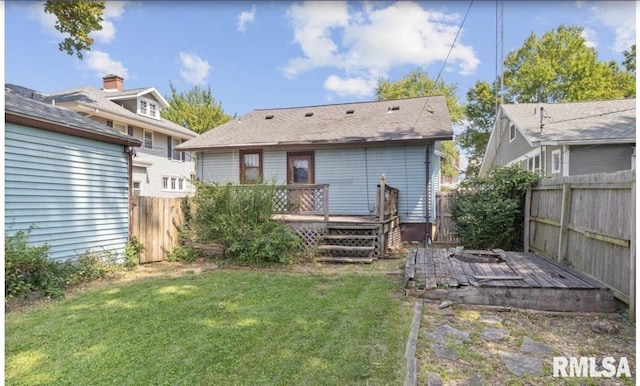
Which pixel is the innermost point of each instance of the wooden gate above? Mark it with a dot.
(155, 224)
(444, 224)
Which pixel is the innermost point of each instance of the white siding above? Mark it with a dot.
(275, 166)
(219, 167)
(72, 191)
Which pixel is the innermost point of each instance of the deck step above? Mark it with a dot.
(328, 259)
(349, 237)
(354, 227)
(345, 248)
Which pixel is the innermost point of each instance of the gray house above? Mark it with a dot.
(67, 177)
(563, 139)
(346, 147)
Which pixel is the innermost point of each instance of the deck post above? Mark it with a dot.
(381, 198)
(325, 202)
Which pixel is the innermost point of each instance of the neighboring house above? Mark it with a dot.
(563, 139)
(158, 169)
(347, 146)
(67, 177)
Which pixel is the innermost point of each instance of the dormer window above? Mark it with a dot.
(143, 107)
(148, 107)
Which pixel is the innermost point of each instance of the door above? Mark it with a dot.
(300, 172)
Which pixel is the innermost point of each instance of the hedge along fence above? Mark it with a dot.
(588, 222)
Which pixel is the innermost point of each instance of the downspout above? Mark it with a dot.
(427, 236)
(129, 151)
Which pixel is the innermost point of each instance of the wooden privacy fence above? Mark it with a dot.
(588, 222)
(444, 221)
(155, 223)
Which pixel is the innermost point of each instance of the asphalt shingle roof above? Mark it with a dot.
(414, 119)
(575, 121)
(30, 103)
(96, 97)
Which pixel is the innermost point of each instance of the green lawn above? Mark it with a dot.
(219, 328)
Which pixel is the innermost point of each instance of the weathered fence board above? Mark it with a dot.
(444, 222)
(155, 223)
(588, 222)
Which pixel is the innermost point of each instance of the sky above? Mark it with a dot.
(256, 55)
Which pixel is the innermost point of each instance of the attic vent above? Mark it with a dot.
(269, 117)
(393, 108)
(308, 114)
(350, 111)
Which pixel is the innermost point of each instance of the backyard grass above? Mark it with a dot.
(217, 328)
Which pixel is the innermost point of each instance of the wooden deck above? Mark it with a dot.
(511, 279)
(296, 217)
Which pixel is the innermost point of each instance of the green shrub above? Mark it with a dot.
(29, 269)
(239, 219)
(183, 253)
(488, 212)
(132, 252)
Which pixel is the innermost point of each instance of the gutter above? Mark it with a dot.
(67, 129)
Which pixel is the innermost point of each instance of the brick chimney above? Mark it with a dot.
(113, 83)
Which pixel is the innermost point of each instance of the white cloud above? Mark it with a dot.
(194, 69)
(621, 17)
(245, 18)
(370, 42)
(349, 86)
(103, 65)
(589, 36)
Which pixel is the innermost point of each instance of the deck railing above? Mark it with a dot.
(386, 200)
(304, 199)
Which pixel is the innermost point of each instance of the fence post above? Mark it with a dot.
(527, 219)
(632, 256)
(564, 221)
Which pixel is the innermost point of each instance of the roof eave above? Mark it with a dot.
(323, 143)
(27, 120)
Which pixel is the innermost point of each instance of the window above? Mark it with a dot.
(174, 184)
(137, 189)
(153, 110)
(121, 127)
(556, 161)
(148, 139)
(300, 168)
(143, 107)
(175, 155)
(512, 133)
(250, 166)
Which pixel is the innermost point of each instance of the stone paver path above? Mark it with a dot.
(528, 361)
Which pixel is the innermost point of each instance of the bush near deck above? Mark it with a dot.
(488, 212)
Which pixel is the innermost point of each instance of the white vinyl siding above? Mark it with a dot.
(73, 191)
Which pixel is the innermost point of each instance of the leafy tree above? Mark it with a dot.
(418, 84)
(629, 62)
(195, 109)
(482, 102)
(559, 67)
(78, 19)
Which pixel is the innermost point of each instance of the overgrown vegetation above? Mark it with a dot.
(488, 212)
(238, 218)
(28, 269)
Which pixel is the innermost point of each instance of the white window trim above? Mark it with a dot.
(565, 161)
(557, 153)
(149, 102)
(172, 183)
(512, 127)
(174, 152)
(144, 141)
